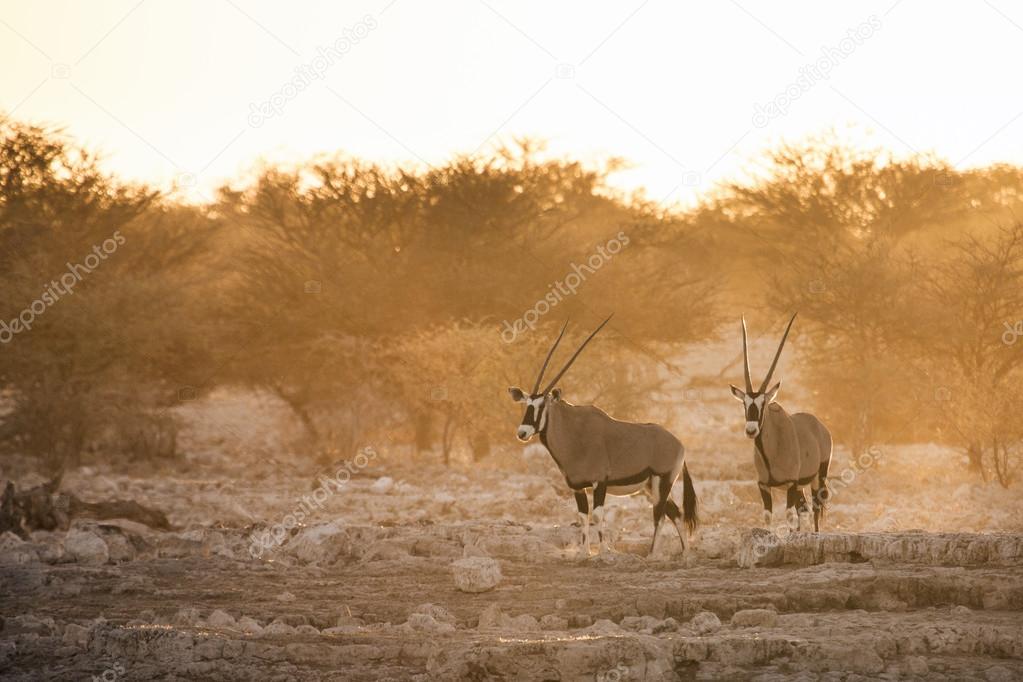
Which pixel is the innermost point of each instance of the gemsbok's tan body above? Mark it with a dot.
(789, 451)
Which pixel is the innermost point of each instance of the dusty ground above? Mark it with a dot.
(920, 581)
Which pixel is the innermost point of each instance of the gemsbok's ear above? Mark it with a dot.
(739, 395)
(773, 393)
(516, 393)
(556, 394)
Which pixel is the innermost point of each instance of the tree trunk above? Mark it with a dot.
(298, 408)
(1001, 458)
(480, 444)
(448, 438)
(422, 423)
(975, 457)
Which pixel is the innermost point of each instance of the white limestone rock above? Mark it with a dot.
(438, 613)
(221, 619)
(476, 574)
(250, 626)
(705, 622)
(86, 547)
(749, 618)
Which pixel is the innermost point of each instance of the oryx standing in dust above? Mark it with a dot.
(592, 450)
(789, 451)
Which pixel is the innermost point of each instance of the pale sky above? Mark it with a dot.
(166, 89)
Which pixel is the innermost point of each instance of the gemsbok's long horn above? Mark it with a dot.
(777, 355)
(550, 354)
(745, 358)
(572, 359)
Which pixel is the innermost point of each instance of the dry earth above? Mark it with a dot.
(921, 581)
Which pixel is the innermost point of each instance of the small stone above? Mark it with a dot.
(999, 673)
(605, 627)
(424, 622)
(438, 613)
(220, 619)
(705, 622)
(759, 547)
(749, 618)
(476, 574)
(643, 624)
(666, 625)
(14, 550)
(187, 617)
(525, 622)
(250, 626)
(382, 485)
(86, 547)
(341, 630)
(917, 666)
(278, 628)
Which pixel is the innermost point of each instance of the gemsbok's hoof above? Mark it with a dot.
(792, 518)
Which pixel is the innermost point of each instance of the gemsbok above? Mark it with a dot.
(593, 450)
(789, 451)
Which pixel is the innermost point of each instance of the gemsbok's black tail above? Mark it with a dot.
(688, 501)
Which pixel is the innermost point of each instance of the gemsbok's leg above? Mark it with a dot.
(792, 495)
(817, 495)
(802, 509)
(765, 496)
(675, 514)
(662, 487)
(820, 494)
(583, 505)
(599, 492)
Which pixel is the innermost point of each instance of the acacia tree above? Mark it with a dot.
(827, 232)
(341, 263)
(968, 337)
(95, 331)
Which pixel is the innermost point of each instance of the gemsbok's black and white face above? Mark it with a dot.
(755, 402)
(534, 418)
(754, 407)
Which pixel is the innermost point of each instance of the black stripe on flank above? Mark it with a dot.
(628, 480)
(777, 484)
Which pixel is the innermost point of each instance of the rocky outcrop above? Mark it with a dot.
(762, 547)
